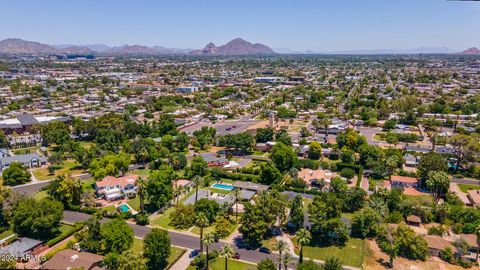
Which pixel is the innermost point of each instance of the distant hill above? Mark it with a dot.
(20, 46)
(471, 51)
(237, 46)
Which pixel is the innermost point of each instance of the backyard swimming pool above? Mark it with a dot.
(123, 208)
(223, 186)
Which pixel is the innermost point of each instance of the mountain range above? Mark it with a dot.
(236, 46)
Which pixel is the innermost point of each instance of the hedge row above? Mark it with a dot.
(63, 235)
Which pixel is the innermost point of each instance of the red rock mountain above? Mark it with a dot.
(471, 51)
(237, 46)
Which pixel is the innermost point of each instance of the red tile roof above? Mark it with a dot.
(121, 181)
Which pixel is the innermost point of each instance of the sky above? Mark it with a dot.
(318, 25)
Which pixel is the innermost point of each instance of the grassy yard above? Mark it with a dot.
(23, 151)
(270, 243)
(67, 167)
(164, 219)
(141, 172)
(467, 187)
(110, 208)
(211, 229)
(40, 195)
(352, 254)
(219, 264)
(135, 203)
(176, 253)
(6, 234)
(218, 190)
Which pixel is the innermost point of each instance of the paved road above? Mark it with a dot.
(177, 239)
(466, 181)
(29, 189)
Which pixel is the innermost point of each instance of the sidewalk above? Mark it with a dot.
(183, 262)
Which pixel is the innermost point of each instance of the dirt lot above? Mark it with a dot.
(375, 257)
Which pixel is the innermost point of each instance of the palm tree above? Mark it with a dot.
(303, 238)
(202, 222)
(226, 252)
(207, 241)
(236, 193)
(141, 193)
(280, 246)
(477, 232)
(287, 259)
(197, 182)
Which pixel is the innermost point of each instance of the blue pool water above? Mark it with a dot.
(123, 208)
(223, 186)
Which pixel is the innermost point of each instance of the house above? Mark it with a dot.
(411, 160)
(243, 185)
(187, 89)
(214, 161)
(436, 244)
(474, 196)
(312, 177)
(72, 259)
(113, 188)
(414, 220)
(403, 181)
(21, 249)
(28, 161)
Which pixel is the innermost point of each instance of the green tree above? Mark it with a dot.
(388, 243)
(159, 186)
(315, 150)
(303, 238)
(332, 263)
(198, 166)
(15, 174)
(90, 237)
(129, 260)
(3, 140)
(178, 161)
(266, 264)
(283, 157)
(36, 219)
(207, 241)
(55, 132)
(202, 222)
(280, 246)
(157, 248)
(66, 190)
(264, 135)
(366, 223)
(269, 174)
(438, 183)
(431, 162)
(116, 235)
(208, 207)
(226, 252)
(197, 182)
(296, 212)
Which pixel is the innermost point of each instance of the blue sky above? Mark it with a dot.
(321, 25)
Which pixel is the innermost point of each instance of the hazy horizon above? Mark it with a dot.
(303, 25)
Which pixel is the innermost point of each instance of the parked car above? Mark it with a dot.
(194, 253)
(265, 250)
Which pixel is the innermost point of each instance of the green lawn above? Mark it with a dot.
(137, 245)
(211, 229)
(467, 187)
(23, 151)
(164, 219)
(110, 208)
(141, 172)
(6, 234)
(218, 190)
(40, 195)
(67, 167)
(352, 254)
(269, 243)
(135, 203)
(219, 264)
(65, 228)
(88, 184)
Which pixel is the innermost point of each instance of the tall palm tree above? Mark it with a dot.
(141, 193)
(287, 259)
(280, 246)
(197, 182)
(202, 222)
(303, 238)
(477, 232)
(207, 241)
(236, 193)
(226, 252)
